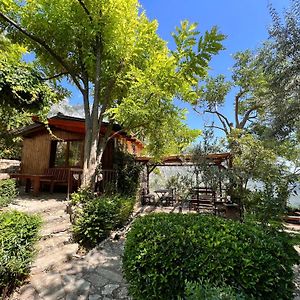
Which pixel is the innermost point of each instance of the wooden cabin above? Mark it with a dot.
(63, 147)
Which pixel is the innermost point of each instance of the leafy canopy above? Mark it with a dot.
(23, 93)
(124, 70)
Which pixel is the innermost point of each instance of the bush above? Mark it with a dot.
(8, 191)
(19, 232)
(128, 173)
(267, 206)
(206, 291)
(99, 216)
(162, 251)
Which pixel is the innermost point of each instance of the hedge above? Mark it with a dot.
(99, 216)
(19, 232)
(162, 251)
(207, 291)
(8, 191)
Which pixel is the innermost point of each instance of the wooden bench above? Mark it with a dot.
(202, 200)
(60, 176)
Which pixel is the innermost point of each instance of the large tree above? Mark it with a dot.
(257, 155)
(248, 84)
(111, 52)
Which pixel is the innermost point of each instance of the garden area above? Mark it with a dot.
(142, 168)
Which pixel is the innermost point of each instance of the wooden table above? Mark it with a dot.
(163, 194)
(33, 181)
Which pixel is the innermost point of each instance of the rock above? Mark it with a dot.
(95, 297)
(109, 288)
(96, 280)
(110, 275)
(122, 293)
(4, 176)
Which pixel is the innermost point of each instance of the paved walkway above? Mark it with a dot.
(58, 271)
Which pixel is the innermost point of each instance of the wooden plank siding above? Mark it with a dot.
(37, 143)
(35, 154)
(36, 150)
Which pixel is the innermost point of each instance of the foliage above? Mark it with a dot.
(23, 92)
(181, 183)
(164, 250)
(125, 72)
(207, 172)
(267, 205)
(280, 57)
(8, 191)
(252, 159)
(19, 232)
(206, 291)
(100, 215)
(128, 173)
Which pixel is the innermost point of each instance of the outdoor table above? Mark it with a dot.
(32, 180)
(161, 194)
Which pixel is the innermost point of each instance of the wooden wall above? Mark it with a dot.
(108, 156)
(36, 150)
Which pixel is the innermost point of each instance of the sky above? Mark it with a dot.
(244, 22)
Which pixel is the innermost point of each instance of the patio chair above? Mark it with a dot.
(169, 199)
(147, 199)
(202, 200)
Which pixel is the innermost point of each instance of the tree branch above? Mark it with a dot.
(108, 91)
(46, 47)
(86, 10)
(85, 80)
(217, 127)
(54, 76)
(222, 119)
(124, 130)
(236, 110)
(95, 108)
(247, 117)
(220, 115)
(236, 107)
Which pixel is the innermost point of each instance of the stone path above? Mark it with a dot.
(59, 272)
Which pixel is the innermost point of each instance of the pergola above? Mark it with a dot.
(217, 159)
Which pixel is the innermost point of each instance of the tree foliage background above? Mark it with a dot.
(23, 93)
(125, 72)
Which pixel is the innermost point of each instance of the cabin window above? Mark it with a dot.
(66, 154)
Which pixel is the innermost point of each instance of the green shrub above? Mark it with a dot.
(99, 216)
(267, 206)
(128, 173)
(19, 232)
(162, 251)
(8, 191)
(206, 291)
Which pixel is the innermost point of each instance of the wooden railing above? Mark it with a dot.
(108, 180)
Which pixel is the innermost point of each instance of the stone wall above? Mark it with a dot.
(8, 166)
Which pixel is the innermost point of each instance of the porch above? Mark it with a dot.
(63, 179)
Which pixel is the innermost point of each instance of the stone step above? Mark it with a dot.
(53, 242)
(51, 218)
(50, 229)
(54, 259)
(37, 208)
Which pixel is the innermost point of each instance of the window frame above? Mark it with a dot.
(53, 152)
